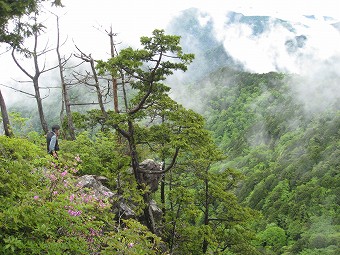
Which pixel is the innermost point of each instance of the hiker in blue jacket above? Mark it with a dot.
(52, 141)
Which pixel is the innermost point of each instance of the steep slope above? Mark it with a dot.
(290, 159)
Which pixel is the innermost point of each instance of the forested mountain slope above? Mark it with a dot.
(290, 159)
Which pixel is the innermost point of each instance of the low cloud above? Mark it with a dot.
(315, 58)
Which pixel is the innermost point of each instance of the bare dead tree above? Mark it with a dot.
(35, 54)
(5, 119)
(65, 95)
(114, 80)
(19, 90)
(112, 77)
(88, 77)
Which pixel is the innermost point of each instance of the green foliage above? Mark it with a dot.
(99, 154)
(13, 10)
(128, 240)
(158, 46)
(203, 209)
(102, 155)
(18, 123)
(288, 158)
(273, 238)
(21, 156)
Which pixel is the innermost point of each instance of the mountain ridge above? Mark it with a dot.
(251, 43)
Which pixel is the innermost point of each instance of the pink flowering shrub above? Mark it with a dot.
(43, 211)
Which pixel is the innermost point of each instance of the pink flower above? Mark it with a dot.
(74, 213)
(130, 245)
(64, 173)
(55, 192)
(52, 177)
(93, 232)
(72, 197)
(74, 170)
(87, 198)
(90, 239)
(77, 158)
(36, 197)
(101, 204)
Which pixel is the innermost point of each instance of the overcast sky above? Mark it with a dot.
(133, 18)
(81, 22)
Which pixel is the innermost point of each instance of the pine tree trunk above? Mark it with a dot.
(134, 154)
(163, 195)
(147, 217)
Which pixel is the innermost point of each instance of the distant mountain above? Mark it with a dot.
(259, 24)
(336, 25)
(198, 36)
(332, 21)
(259, 44)
(200, 40)
(292, 45)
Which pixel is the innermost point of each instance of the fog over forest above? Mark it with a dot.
(315, 61)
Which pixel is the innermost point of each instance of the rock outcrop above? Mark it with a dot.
(100, 192)
(120, 206)
(151, 179)
(95, 183)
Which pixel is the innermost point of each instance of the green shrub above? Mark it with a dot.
(42, 210)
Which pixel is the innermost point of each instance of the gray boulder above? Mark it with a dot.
(94, 184)
(151, 179)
